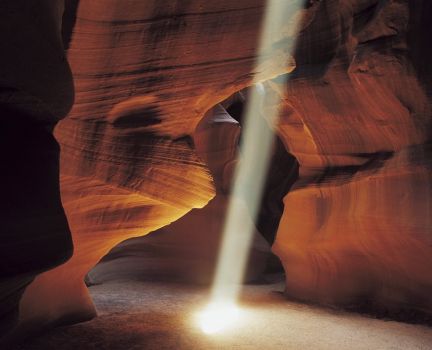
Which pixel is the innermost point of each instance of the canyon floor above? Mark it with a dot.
(144, 315)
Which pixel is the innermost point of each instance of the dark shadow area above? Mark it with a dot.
(69, 20)
(29, 155)
(281, 175)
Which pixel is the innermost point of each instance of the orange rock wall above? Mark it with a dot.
(355, 113)
(144, 74)
(357, 225)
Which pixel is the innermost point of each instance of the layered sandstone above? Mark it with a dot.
(144, 74)
(356, 114)
(357, 225)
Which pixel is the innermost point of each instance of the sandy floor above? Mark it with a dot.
(136, 315)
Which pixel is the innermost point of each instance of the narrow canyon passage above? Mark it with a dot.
(124, 145)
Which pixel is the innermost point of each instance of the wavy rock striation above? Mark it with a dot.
(356, 114)
(357, 225)
(144, 74)
(187, 250)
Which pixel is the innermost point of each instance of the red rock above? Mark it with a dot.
(356, 115)
(356, 226)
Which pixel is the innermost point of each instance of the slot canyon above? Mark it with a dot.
(123, 126)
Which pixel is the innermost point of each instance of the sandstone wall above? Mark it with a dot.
(144, 73)
(357, 225)
(355, 114)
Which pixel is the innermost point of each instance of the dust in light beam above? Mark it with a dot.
(281, 20)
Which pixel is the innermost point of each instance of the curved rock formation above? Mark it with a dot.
(35, 92)
(356, 114)
(144, 73)
(187, 250)
(357, 225)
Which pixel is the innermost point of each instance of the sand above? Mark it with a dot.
(142, 315)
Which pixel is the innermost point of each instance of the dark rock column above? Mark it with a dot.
(36, 91)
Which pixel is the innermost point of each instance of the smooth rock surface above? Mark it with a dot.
(356, 114)
(144, 74)
(357, 225)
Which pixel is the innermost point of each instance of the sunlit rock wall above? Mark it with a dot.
(356, 114)
(145, 73)
(187, 250)
(357, 225)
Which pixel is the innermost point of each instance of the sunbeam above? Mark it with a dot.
(251, 173)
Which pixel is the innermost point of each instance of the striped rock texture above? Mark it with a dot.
(356, 114)
(356, 227)
(145, 73)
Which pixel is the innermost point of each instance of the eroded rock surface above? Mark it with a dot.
(144, 74)
(356, 114)
(357, 224)
(188, 249)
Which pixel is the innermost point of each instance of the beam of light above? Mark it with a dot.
(217, 316)
(252, 170)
